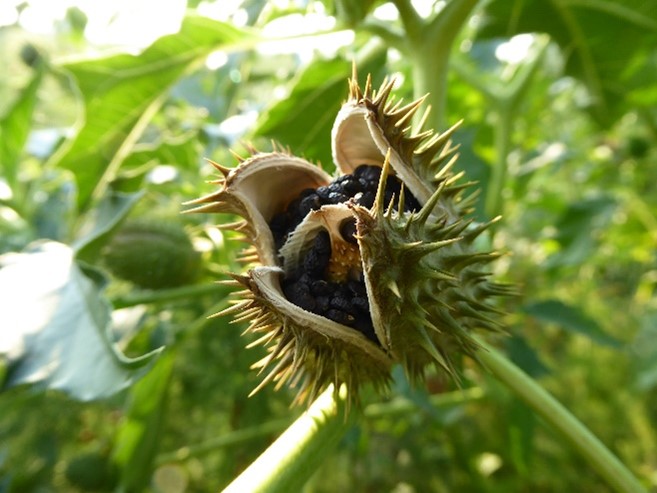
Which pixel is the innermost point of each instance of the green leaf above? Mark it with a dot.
(600, 39)
(523, 355)
(54, 206)
(15, 128)
(55, 330)
(304, 119)
(572, 319)
(101, 221)
(122, 92)
(576, 229)
(183, 153)
(138, 438)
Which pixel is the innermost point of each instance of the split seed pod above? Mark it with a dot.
(355, 273)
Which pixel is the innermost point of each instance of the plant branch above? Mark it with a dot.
(290, 461)
(502, 134)
(165, 295)
(556, 415)
(413, 23)
(388, 35)
(430, 50)
(226, 440)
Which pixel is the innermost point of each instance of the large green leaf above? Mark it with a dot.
(122, 92)
(15, 127)
(602, 41)
(54, 322)
(570, 318)
(304, 119)
(139, 436)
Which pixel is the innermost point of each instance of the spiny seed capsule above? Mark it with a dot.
(354, 273)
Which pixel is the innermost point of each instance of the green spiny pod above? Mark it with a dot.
(153, 254)
(353, 273)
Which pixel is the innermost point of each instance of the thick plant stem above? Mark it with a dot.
(556, 415)
(502, 132)
(430, 43)
(292, 459)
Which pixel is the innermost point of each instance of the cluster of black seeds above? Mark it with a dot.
(360, 186)
(343, 302)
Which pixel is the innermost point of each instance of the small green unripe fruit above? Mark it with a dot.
(153, 254)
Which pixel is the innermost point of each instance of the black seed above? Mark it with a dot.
(323, 193)
(320, 287)
(341, 303)
(351, 187)
(337, 197)
(315, 263)
(322, 242)
(298, 294)
(317, 258)
(340, 317)
(348, 230)
(322, 304)
(368, 173)
(366, 199)
(356, 288)
(309, 203)
(361, 304)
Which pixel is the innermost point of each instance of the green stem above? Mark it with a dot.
(556, 415)
(292, 459)
(385, 32)
(226, 440)
(413, 23)
(502, 132)
(401, 406)
(429, 47)
(165, 295)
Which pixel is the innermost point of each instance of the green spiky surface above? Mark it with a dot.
(428, 288)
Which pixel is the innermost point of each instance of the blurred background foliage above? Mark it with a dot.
(106, 116)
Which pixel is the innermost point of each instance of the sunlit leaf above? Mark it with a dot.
(601, 41)
(15, 127)
(54, 330)
(571, 319)
(303, 120)
(182, 153)
(122, 92)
